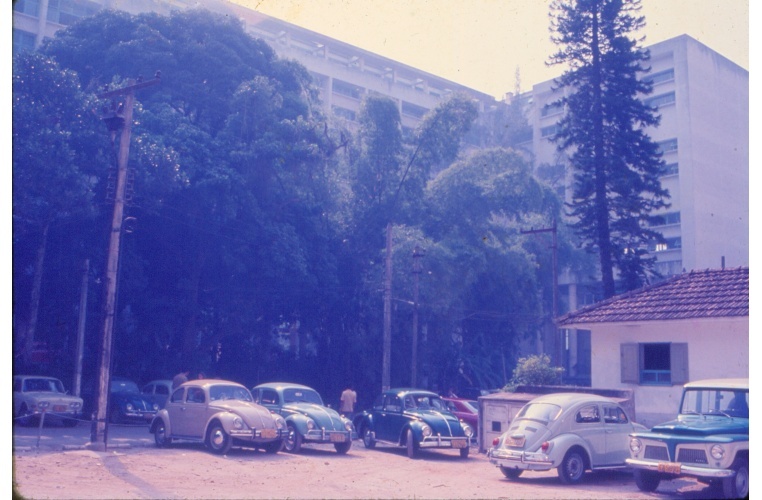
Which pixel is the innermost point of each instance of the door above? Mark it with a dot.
(617, 429)
(191, 414)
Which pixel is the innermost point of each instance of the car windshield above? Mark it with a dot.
(301, 396)
(424, 402)
(544, 412)
(43, 385)
(223, 392)
(124, 386)
(727, 402)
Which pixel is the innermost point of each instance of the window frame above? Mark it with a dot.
(632, 364)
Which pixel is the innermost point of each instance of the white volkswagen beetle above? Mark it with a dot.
(571, 432)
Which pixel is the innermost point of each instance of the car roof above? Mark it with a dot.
(211, 381)
(407, 390)
(34, 376)
(282, 385)
(720, 383)
(570, 398)
(160, 381)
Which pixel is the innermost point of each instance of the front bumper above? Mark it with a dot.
(324, 436)
(258, 435)
(679, 469)
(516, 459)
(444, 442)
(138, 415)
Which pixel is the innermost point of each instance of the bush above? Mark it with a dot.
(535, 370)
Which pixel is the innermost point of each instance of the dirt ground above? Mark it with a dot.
(189, 471)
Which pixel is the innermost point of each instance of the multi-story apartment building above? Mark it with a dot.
(703, 100)
(343, 73)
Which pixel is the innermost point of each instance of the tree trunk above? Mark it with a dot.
(189, 332)
(34, 306)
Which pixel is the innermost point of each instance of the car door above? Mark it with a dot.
(389, 423)
(589, 426)
(270, 399)
(617, 428)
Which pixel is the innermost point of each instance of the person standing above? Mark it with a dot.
(348, 401)
(179, 379)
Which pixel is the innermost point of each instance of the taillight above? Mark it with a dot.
(495, 441)
(544, 447)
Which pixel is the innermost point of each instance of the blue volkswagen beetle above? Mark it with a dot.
(415, 419)
(307, 418)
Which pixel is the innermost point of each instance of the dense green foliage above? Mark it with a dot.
(536, 370)
(256, 242)
(616, 164)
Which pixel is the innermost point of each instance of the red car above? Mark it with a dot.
(466, 410)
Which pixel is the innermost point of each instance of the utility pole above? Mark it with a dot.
(418, 252)
(387, 341)
(81, 328)
(119, 119)
(554, 246)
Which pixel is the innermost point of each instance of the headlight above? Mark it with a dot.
(129, 407)
(426, 430)
(238, 423)
(280, 422)
(467, 430)
(75, 405)
(635, 445)
(310, 425)
(43, 404)
(717, 452)
(156, 407)
(348, 425)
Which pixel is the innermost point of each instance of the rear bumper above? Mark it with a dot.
(324, 436)
(519, 459)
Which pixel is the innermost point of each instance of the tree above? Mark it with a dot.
(536, 370)
(616, 165)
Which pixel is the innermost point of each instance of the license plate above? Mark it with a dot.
(59, 408)
(459, 443)
(670, 468)
(338, 438)
(517, 442)
(269, 433)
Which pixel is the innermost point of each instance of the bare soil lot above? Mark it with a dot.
(190, 471)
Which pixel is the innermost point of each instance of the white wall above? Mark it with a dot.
(717, 348)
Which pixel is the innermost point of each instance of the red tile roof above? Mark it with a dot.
(713, 293)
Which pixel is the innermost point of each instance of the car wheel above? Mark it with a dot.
(412, 446)
(342, 448)
(572, 467)
(646, 480)
(367, 438)
(218, 440)
(293, 440)
(737, 486)
(274, 447)
(464, 452)
(511, 474)
(160, 435)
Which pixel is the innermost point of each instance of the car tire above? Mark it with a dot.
(738, 485)
(511, 474)
(572, 467)
(646, 480)
(274, 447)
(367, 438)
(160, 435)
(293, 441)
(412, 446)
(464, 452)
(218, 440)
(342, 448)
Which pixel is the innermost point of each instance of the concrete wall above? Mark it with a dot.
(717, 348)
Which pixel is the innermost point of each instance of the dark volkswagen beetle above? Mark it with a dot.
(415, 419)
(128, 405)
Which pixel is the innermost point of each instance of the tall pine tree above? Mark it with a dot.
(616, 164)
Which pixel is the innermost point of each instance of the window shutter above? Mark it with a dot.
(628, 361)
(678, 354)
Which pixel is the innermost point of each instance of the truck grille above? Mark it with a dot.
(656, 453)
(692, 456)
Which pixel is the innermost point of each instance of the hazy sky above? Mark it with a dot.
(481, 43)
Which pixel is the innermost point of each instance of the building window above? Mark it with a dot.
(670, 169)
(413, 110)
(549, 131)
(660, 77)
(669, 267)
(668, 146)
(68, 12)
(552, 108)
(665, 219)
(28, 7)
(657, 363)
(22, 41)
(345, 113)
(660, 100)
(347, 89)
(668, 244)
